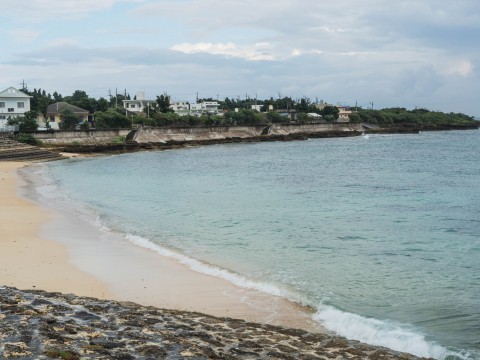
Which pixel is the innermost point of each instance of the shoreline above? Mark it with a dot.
(28, 260)
(105, 265)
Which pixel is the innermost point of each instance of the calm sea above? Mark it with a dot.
(381, 234)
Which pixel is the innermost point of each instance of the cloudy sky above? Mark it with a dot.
(410, 53)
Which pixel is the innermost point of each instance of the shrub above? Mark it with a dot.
(27, 139)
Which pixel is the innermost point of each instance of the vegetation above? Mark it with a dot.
(69, 120)
(118, 140)
(26, 122)
(111, 114)
(401, 115)
(112, 118)
(27, 139)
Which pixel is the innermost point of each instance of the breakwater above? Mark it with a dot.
(36, 324)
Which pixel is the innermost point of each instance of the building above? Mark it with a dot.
(13, 103)
(197, 109)
(205, 107)
(343, 114)
(256, 107)
(55, 115)
(139, 104)
(180, 108)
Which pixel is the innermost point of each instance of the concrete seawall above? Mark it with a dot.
(89, 141)
(164, 135)
(79, 136)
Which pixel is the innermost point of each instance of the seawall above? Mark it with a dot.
(89, 141)
(186, 134)
(91, 136)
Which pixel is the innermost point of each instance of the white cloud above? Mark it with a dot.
(259, 51)
(462, 68)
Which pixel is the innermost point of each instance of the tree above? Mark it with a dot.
(275, 117)
(330, 111)
(163, 102)
(69, 120)
(111, 119)
(25, 123)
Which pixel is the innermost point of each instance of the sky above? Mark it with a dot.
(374, 53)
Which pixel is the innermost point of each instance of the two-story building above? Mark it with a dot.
(205, 107)
(343, 114)
(13, 103)
(139, 104)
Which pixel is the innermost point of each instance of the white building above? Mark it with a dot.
(256, 107)
(13, 103)
(139, 104)
(197, 109)
(181, 108)
(205, 107)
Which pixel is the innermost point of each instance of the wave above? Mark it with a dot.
(212, 270)
(384, 333)
(352, 326)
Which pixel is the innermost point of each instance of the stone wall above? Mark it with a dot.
(79, 136)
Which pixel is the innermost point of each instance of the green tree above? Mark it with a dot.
(69, 120)
(111, 119)
(163, 103)
(275, 117)
(329, 111)
(25, 123)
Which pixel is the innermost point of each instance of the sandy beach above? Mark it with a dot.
(44, 248)
(28, 261)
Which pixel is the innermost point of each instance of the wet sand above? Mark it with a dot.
(45, 248)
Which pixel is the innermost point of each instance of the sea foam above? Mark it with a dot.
(376, 332)
(208, 269)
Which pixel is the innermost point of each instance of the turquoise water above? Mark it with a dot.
(381, 234)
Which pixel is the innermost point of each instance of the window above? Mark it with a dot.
(52, 118)
(20, 105)
(2, 104)
(2, 117)
(11, 109)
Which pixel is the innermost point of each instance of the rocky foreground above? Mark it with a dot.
(42, 325)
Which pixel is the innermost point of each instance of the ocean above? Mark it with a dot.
(380, 234)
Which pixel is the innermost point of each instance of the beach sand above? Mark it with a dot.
(28, 261)
(44, 248)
